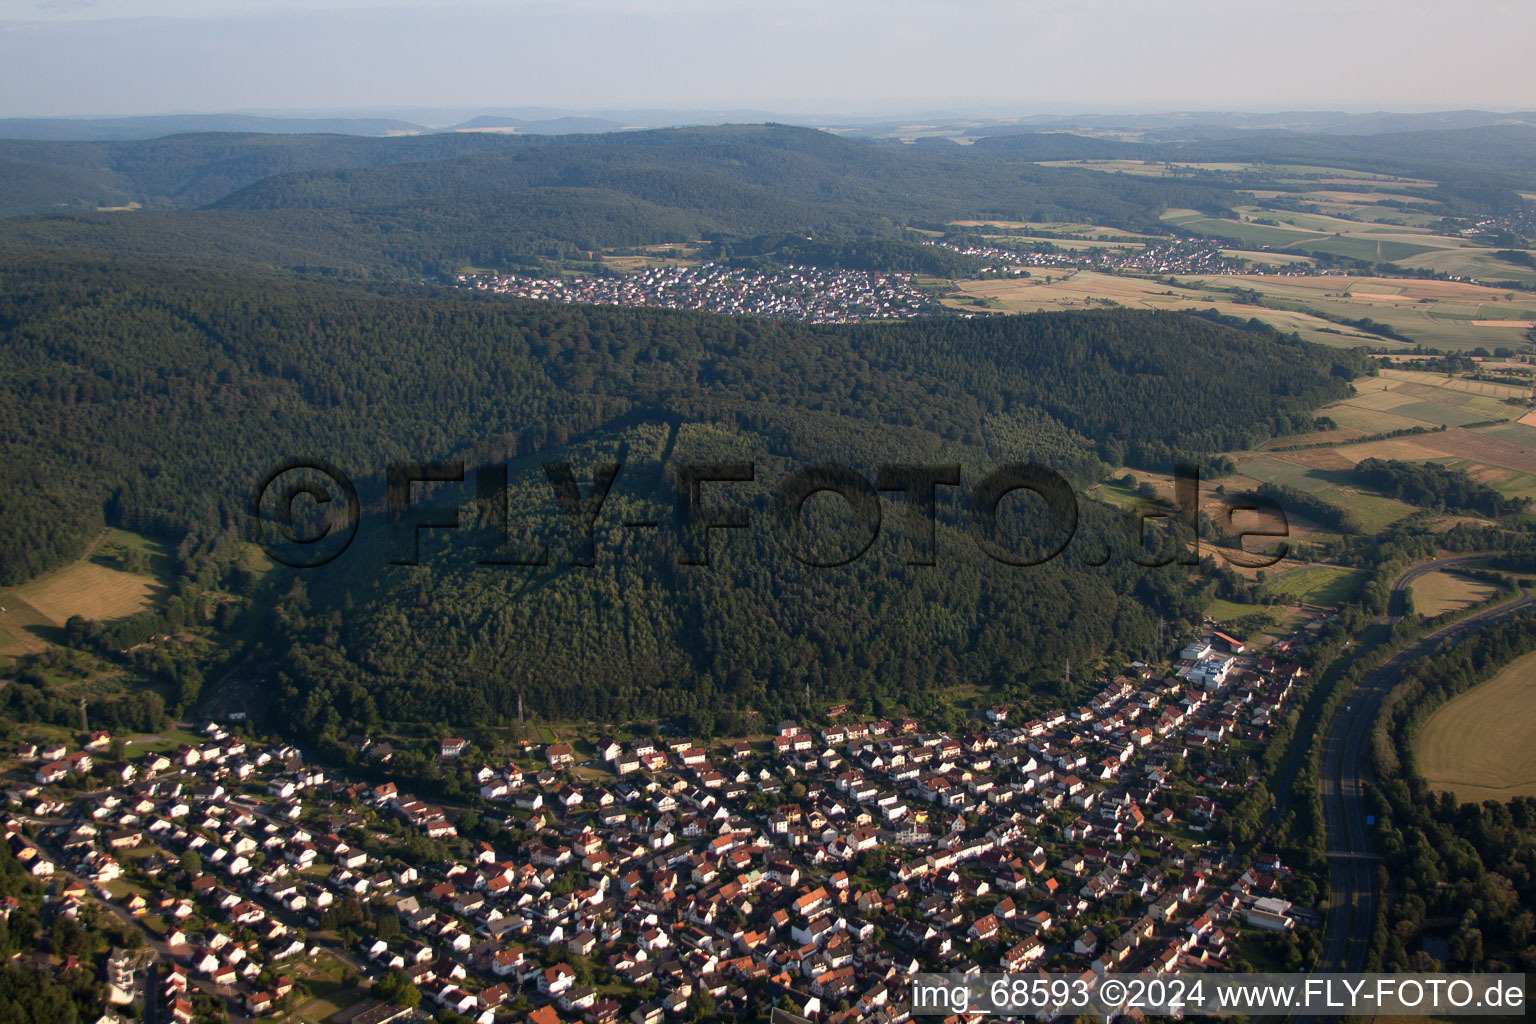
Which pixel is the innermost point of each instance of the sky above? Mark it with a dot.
(831, 57)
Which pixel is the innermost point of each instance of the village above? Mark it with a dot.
(817, 870)
(811, 294)
(1180, 256)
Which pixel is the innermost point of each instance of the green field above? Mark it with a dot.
(1272, 470)
(1326, 585)
(1515, 433)
(1436, 412)
(1267, 620)
(1373, 511)
(1357, 248)
(1250, 234)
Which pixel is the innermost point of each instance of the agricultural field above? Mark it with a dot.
(647, 257)
(1500, 452)
(1403, 399)
(1323, 585)
(1197, 223)
(1481, 745)
(1262, 624)
(1280, 174)
(1086, 289)
(1046, 229)
(1449, 315)
(92, 591)
(22, 627)
(1342, 213)
(1357, 226)
(96, 587)
(1481, 435)
(1438, 592)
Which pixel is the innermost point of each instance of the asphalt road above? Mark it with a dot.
(1351, 913)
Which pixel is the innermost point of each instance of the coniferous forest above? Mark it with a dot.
(153, 397)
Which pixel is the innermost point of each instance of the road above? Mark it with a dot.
(1352, 865)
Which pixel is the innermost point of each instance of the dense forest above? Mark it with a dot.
(154, 398)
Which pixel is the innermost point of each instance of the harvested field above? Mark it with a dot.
(1481, 745)
(1438, 592)
(1469, 444)
(91, 590)
(18, 620)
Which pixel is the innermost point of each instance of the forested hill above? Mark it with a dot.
(155, 397)
(738, 173)
(433, 204)
(1496, 155)
(161, 392)
(192, 169)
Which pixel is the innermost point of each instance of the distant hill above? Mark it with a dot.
(87, 129)
(432, 204)
(550, 126)
(194, 169)
(1496, 155)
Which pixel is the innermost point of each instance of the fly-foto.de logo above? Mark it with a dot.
(307, 512)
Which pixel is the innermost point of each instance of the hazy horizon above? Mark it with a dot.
(91, 58)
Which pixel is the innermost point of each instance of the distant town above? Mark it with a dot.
(1182, 256)
(810, 294)
(818, 869)
(828, 296)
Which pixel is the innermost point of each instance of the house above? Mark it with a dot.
(557, 979)
(1087, 944)
(53, 771)
(1025, 953)
(452, 747)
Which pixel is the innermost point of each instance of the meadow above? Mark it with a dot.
(94, 587)
(1436, 593)
(1481, 745)
(1326, 586)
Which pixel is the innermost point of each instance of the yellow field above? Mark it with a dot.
(1272, 259)
(1446, 314)
(90, 590)
(18, 622)
(1023, 236)
(1292, 173)
(1086, 289)
(1055, 227)
(1438, 592)
(1482, 745)
(1387, 288)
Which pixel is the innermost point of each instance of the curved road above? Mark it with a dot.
(1352, 867)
